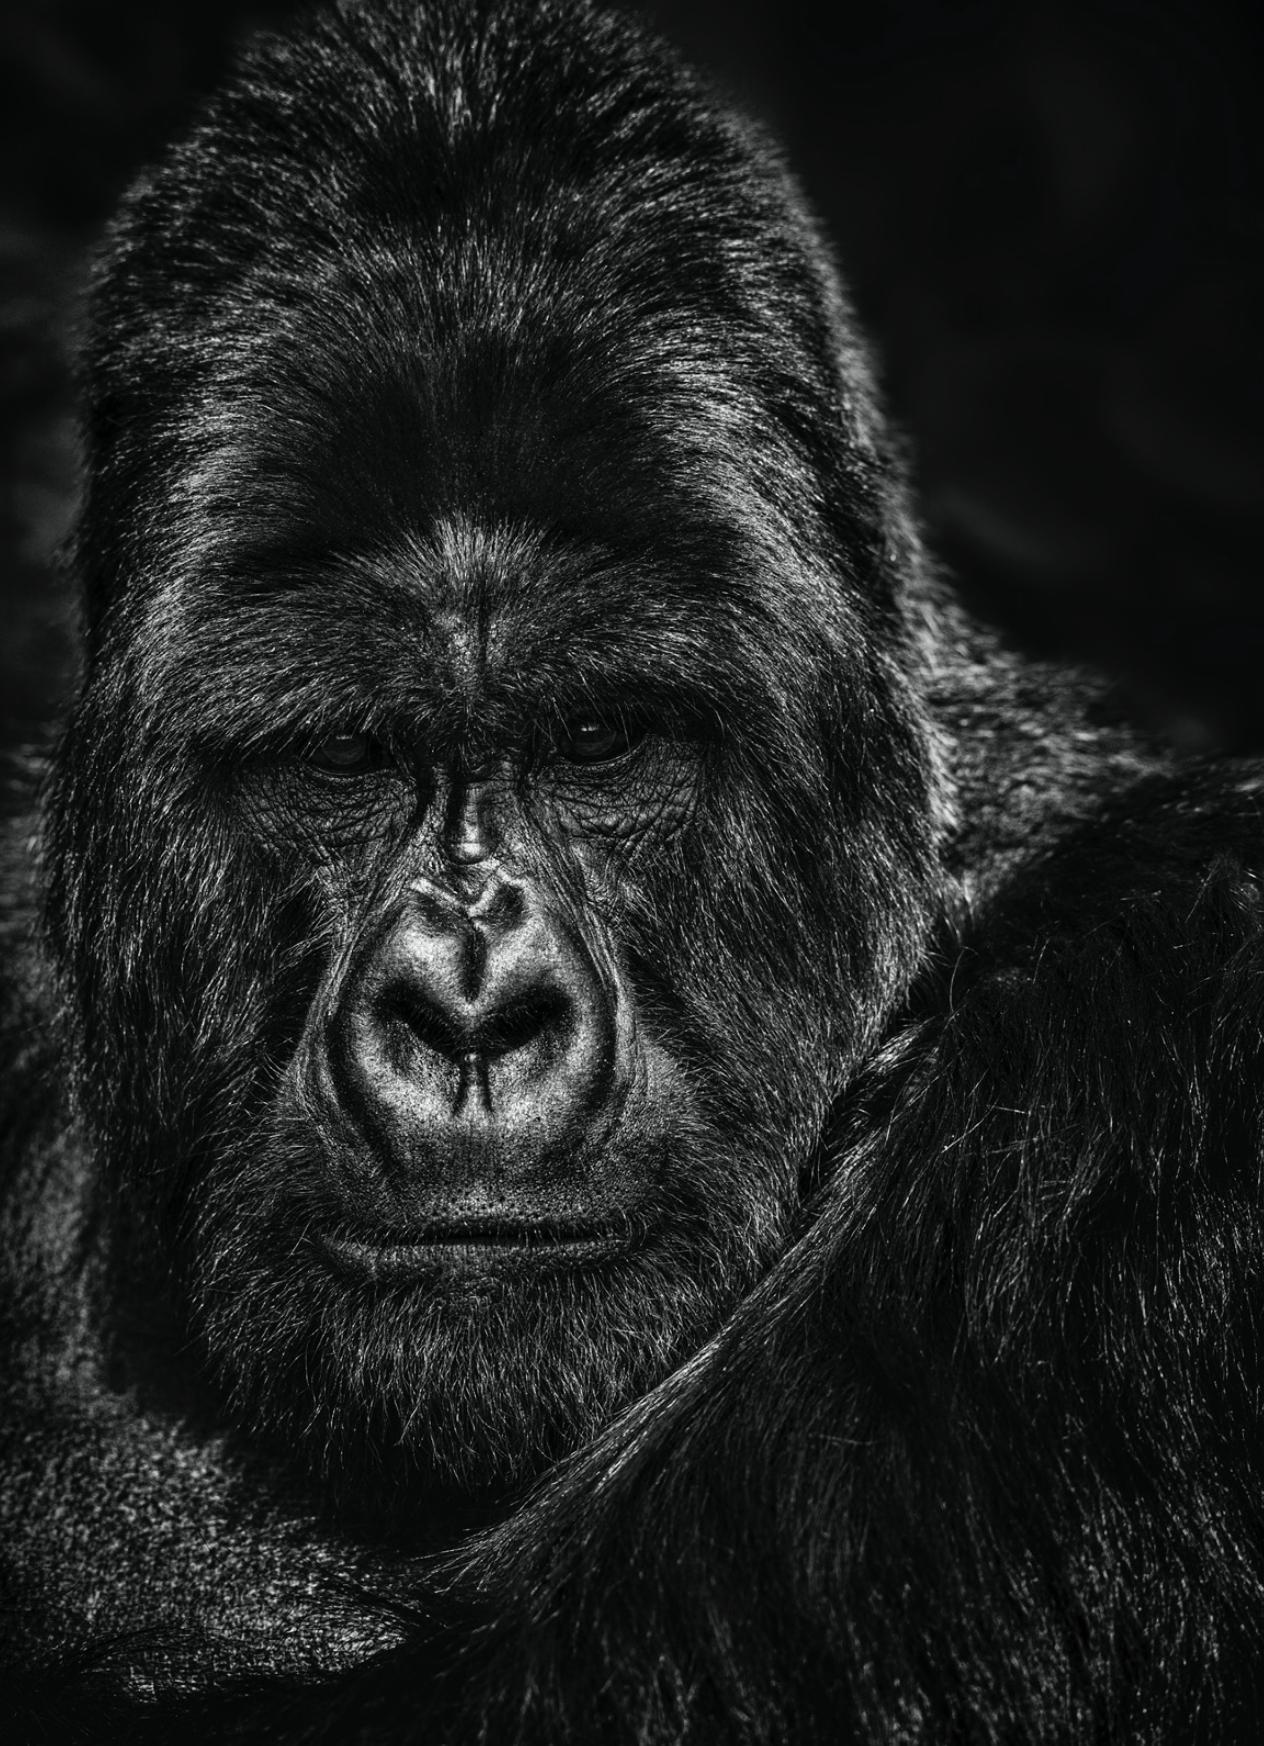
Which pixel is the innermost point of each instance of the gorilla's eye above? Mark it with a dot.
(346, 754)
(590, 739)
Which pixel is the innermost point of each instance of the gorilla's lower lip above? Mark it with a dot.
(472, 1245)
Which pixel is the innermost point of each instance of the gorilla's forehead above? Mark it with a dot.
(452, 519)
(389, 389)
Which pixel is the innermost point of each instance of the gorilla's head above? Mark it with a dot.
(500, 809)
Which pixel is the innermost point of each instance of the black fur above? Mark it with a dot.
(466, 368)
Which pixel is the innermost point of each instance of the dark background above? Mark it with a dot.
(1051, 220)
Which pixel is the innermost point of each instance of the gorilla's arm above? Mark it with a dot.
(980, 1459)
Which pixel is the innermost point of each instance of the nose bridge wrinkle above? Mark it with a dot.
(471, 830)
(488, 900)
(499, 904)
(440, 909)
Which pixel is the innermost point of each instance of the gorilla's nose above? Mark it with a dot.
(480, 983)
(475, 1036)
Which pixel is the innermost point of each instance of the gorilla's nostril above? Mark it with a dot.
(546, 1013)
(425, 1021)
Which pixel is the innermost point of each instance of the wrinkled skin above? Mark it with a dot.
(567, 958)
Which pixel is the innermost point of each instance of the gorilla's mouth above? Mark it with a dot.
(473, 1245)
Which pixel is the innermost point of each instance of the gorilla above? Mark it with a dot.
(620, 1124)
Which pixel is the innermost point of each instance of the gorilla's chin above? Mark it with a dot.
(471, 1370)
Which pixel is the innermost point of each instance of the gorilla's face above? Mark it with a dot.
(499, 811)
(549, 959)
(537, 1115)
